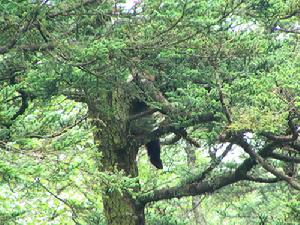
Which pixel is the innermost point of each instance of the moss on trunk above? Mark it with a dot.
(118, 152)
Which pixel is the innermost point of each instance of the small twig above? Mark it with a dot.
(212, 166)
(64, 130)
(74, 214)
(226, 109)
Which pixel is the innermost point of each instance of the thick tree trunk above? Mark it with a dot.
(118, 153)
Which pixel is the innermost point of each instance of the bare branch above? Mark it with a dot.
(64, 130)
(241, 142)
(285, 158)
(207, 186)
(286, 30)
(166, 128)
(294, 13)
(262, 180)
(142, 114)
(74, 214)
(226, 109)
(212, 166)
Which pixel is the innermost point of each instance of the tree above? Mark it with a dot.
(219, 73)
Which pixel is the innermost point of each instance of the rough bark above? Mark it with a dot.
(208, 186)
(118, 153)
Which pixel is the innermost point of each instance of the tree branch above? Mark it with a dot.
(248, 149)
(284, 158)
(211, 167)
(225, 107)
(166, 128)
(142, 114)
(24, 104)
(262, 180)
(36, 47)
(208, 186)
(74, 214)
(189, 189)
(64, 130)
(295, 146)
(23, 29)
(286, 30)
(294, 13)
(284, 138)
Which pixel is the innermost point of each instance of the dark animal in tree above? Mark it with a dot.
(141, 127)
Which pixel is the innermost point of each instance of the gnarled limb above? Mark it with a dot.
(208, 186)
(258, 158)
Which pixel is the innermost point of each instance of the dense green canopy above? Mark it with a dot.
(220, 77)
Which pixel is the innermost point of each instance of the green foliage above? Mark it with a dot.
(226, 57)
(165, 220)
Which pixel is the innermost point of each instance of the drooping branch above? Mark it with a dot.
(24, 104)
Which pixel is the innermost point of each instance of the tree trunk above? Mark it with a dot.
(119, 152)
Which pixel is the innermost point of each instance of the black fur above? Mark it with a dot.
(153, 149)
(138, 107)
(143, 126)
